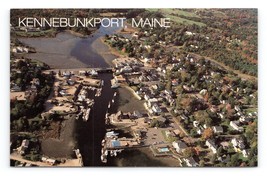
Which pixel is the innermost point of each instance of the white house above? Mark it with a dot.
(190, 162)
(151, 102)
(237, 108)
(156, 109)
(210, 143)
(221, 115)
(235, 126)
(179, 146)
(238, 144)
(245, 153)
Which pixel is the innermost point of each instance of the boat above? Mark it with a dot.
(94, 73)
(86, 116)
(77, 152)
(112, 100)
(115, 93)
(109, 105)
(102, 83)
(103, 158)
(114, 86)
(103, 142)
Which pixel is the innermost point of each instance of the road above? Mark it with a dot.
(17, 157)
(239, 73)
(67, 163)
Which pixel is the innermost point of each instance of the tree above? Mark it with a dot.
(207, 133)
(219, 151)
(234, 161)
(213, 158)
(188, 152)
(201, 163)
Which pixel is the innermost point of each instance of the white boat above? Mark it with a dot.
(114, 86)
(109, 105)
(111, 153)
(86, 116)
(102, 83)
(103, 159)
(115, 93)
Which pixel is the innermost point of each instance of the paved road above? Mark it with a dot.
(17, 157)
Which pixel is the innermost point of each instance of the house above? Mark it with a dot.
(120, 79)
(147, 96)
(217, 129)
(195, 123)
(203, 92)
(66, 74)
(245, 153)
(175, 82)
(156, 109)
(244, 119)
(126, 69)
(161, 119)
(238, 144)
(48, 160)
(15, 88)
(151, 102)
(35, 81)
(237, 108)
(235, 126)
(137, 114)
(188, 89)
(24, 146)
(199, 130)
(210, 143)
(213, 109)
(221, 115)
(179, 146)
(190, 162)
(176, 132)
(168, 92)
(184, 117)
(169, 134)
(138, 134)
(225, 145)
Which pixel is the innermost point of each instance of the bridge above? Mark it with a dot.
(98, 69)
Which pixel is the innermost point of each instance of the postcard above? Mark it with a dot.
(134, 87)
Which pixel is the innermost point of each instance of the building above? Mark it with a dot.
(235, 126)
(24, 146)
(238, 144)
(210, 143)
(217, 129)
(191, 162)
(179, 146)
(156, 109)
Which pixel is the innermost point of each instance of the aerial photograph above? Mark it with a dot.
(134, 87)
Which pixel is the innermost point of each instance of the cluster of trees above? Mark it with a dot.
(21, 110)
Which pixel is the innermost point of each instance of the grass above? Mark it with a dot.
(171, 13)
(248, 110)
(169, 139)
(48, 32)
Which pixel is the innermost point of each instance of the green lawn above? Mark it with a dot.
(170, 13)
